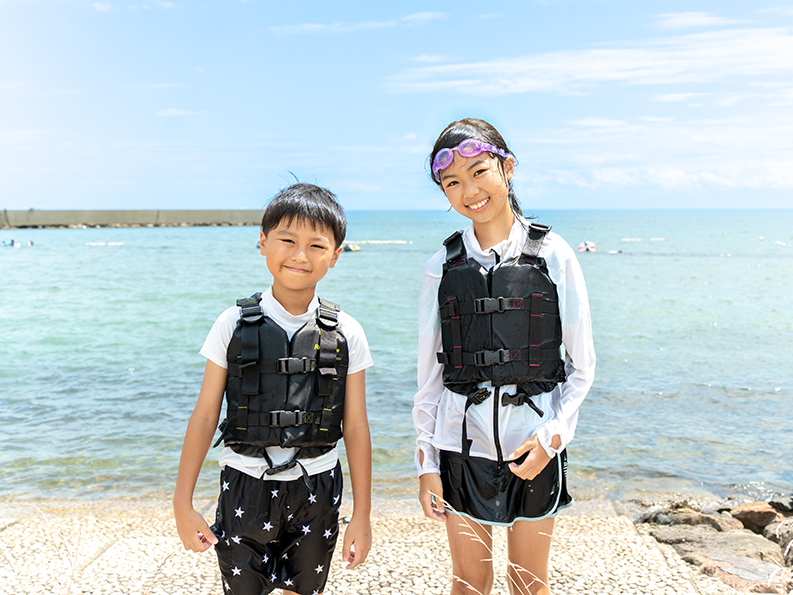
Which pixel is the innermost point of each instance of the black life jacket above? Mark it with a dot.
(500, 325)
(281, 392)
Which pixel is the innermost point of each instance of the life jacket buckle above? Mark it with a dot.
(285, 419)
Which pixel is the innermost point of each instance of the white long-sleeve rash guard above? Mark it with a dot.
(438, 412)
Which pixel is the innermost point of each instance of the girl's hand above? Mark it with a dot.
(534, 462)
(429, 484)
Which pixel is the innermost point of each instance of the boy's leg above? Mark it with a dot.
(529, 546)
(471, 546)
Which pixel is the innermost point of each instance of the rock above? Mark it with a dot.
(784, 504)
(718, 522)
(745, 574)
(696, 544)
(782, 533)
(755, 515)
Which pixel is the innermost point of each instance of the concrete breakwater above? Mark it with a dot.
(36, 219)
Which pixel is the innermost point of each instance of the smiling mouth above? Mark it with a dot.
(296, 270)
(478, 206)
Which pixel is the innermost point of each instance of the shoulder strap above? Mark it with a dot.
(455, 250)
(250, 317)
(328, 322)
(531, 249)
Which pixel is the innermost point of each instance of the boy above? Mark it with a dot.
(292, 369)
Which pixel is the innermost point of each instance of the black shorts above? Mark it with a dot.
(276, 534)
(491, 494)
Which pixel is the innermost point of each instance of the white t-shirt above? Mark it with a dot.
(438, 412)
(215, 348)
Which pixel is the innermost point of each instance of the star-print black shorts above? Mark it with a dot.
(276, 534)
(490, 493)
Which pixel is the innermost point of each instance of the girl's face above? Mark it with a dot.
(477, 188)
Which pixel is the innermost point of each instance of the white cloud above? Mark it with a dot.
(682, 20)
(596, 123)
(421, 18)
(673, 97)
(102, 6)
(179, 112)
(411, 20)
(699, 58)
(745, 152)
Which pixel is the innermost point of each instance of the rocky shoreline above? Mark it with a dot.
(748, 546)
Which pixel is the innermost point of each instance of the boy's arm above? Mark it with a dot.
(358, 445)
(193, 529)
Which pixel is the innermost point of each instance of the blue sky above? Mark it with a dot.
(606, 103)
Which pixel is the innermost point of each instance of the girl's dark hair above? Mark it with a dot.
(306, 203)
(458, 131)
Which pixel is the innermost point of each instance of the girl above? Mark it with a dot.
(505, 360)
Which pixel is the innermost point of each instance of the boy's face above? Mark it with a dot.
(298, 255)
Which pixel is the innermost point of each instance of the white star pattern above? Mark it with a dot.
(315, 592)
(306, 530)
(226, 585)
(332, 471)
(238, 512)
(223, 535)
(288, 582)
(335, 499)
(274, 493)
(227, 542)
(289, 518)
(236, 539)
(318, 569)
(225, 487)
(236, 571)
(328, 534)
(312, 498)
(267, 526)
(285, 557)
(264, 559)
(272, 578)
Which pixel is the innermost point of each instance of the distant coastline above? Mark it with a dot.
(79, 219)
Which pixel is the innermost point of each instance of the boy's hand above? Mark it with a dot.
(429, 485)
(535, 461)
(194, 531)
(357, 542)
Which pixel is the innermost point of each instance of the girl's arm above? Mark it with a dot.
(193, 529)
(358, 445)
(430, 375)
(579, 353)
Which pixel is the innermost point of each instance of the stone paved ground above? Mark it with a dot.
(113, 549)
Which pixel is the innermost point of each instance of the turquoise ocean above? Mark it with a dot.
(692, 313)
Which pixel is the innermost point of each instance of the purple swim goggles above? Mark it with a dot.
(470, 147)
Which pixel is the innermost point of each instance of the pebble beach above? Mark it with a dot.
(133, 549)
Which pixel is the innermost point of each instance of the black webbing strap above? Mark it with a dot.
(484, 306)
(477, 398)
(250, 315)
(519, 399)
(480, 359)
(531, 249)
(455, 256)
(328, 322)
(284, 365)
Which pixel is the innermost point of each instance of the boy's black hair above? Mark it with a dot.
(458, 131)
(306, 203)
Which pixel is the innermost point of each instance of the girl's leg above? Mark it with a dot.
(529, 545)
(471, 545)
